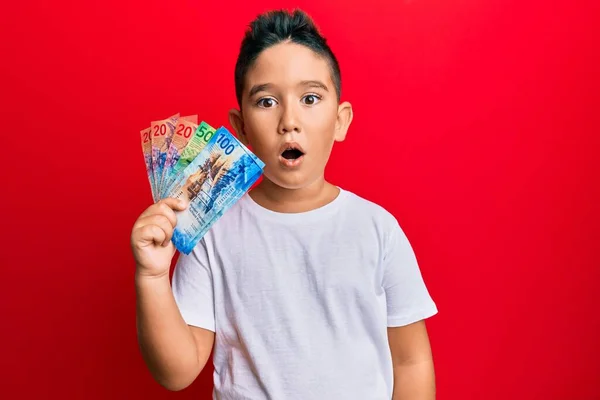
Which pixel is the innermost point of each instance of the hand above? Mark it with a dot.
(151, 238)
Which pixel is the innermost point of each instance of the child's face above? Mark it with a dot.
(289, 100)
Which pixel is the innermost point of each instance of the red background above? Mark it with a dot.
(486, 113)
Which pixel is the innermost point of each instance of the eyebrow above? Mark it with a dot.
(315, 84)
(263, 87)
(259, 88)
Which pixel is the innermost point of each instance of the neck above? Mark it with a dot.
(279, 199)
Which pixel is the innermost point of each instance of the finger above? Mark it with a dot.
(164, 210)
(152, 234)
(165, 207)
(175, 204)
(156, 219)
(162, 222)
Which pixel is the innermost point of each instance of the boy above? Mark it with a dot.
(305, 290)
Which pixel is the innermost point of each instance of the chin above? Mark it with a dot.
(290, 181)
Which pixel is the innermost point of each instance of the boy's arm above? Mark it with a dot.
(414, 376)
(174, 352)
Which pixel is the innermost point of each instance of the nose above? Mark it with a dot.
(289, 120)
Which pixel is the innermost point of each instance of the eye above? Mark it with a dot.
(311, 99)
(266, 102)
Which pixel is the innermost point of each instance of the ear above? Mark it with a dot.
(237, 122)
(343, 121)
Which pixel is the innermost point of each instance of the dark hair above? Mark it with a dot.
(277, 26)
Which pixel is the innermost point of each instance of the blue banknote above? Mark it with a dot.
(217, 178)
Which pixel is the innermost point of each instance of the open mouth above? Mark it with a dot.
(292, 154)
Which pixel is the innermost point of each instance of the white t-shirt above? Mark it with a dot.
(301, 303)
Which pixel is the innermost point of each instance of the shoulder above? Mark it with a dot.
(371, 219)
(370, 212)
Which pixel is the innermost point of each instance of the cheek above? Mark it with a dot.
(322, 129)
(257, 125)
(261, 139)
(321, 117)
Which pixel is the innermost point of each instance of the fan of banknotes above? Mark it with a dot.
(210, 169)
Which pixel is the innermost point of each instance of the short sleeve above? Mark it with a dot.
(192, 286)
(408, 299)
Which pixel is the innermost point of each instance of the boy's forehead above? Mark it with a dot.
(288, 64)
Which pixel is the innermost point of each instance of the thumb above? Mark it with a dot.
(176, 204)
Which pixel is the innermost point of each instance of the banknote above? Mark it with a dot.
(171, 134)
(184, 131)
(161, 130)
(203, 134)
(147, 151)
(217, 178)
(191, 118)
